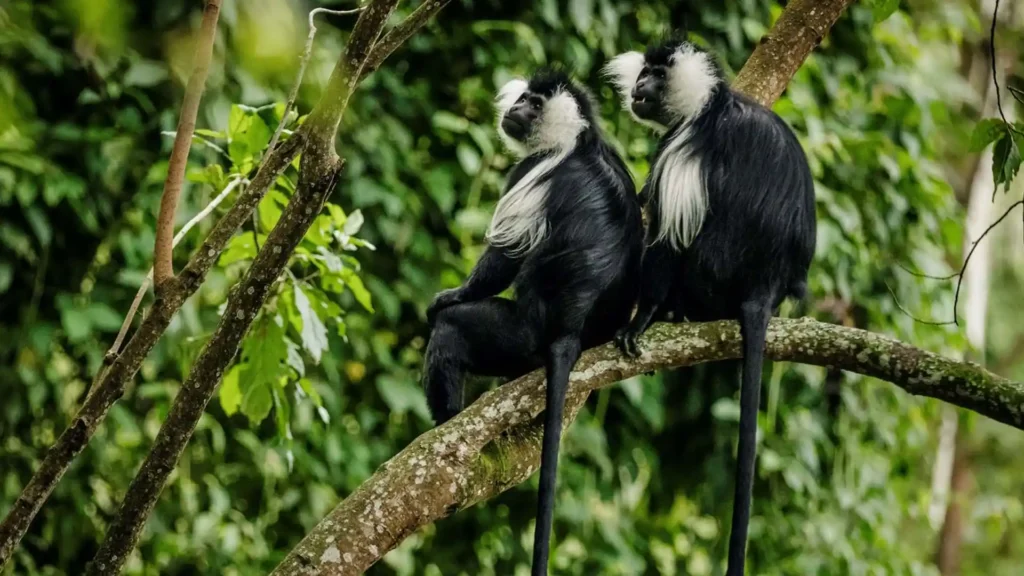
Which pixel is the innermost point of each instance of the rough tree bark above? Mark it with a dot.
(495, 443)
(464, 462)
(120, 367)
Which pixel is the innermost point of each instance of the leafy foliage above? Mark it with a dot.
(325, 387)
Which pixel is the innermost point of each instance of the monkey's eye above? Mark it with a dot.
(536, 102)
(659, 73)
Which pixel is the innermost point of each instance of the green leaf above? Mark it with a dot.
(353, 223)
(986, 132)
(145, 73)
(241, 247)
(581, 12)
(447, 121)
(264, 352)
(882, 9)
(76, 324)
(1006, 160)
(294, 358)
(355, 284)
(313, 333)
(230, 394)
(402, 395)
(257, 403)
(270, 209)
(469, 158)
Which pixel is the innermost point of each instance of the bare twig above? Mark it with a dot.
(923, 275)
(116, 346)
(911, 316)
(163, 250)
(974, 247)
(995, 78)
(495, 443)
(307, 52)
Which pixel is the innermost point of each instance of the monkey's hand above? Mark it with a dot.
(627, 341)
(444, 299)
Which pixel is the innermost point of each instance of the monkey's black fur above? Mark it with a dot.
(573, 290)
(752, 251)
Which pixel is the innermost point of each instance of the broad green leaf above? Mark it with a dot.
(264, 352)
(313, 333)
(270, 209)
(257, 403)
(402, 395)
(355, 284)
(581, 12)
(241, 247)
(230, 394)
(468, 157)
(145, 73)
(447, 121)
(294, 358)
(76, 324)
(986, 132)
(353, 223)
(882, 9)
(1006, 160)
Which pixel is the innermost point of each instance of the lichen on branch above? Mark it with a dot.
(495, 443)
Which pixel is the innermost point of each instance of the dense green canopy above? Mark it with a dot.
(325, 387)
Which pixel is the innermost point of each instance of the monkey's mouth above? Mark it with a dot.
(514, 128)
(643, 107)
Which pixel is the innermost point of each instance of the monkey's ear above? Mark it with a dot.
(509, 93)
(623, 70)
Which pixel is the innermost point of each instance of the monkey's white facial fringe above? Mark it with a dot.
(682, 194)
(691, 80)
(519, 223)
(507, 96)
(623, 71)
(559, 125)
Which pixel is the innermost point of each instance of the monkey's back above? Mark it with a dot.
(759, 233)
(593, 246)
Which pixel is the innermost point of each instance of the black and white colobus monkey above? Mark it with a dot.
(731, 230)
(568, 234)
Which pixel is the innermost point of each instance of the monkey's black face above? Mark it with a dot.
(648, 93)
(519, 121)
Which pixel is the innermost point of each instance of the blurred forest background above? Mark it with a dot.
(847, 481)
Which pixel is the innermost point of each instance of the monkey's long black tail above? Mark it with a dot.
(754, 327)
(562, 356)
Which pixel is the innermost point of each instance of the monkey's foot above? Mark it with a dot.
(627, 340)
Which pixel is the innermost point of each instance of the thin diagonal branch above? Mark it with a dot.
(318, 175)
(163, 267)
(399, 34)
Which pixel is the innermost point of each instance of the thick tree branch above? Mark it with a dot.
(782, 51)
(495, 443)
(163, 267)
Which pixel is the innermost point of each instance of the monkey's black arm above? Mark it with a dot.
(655, 281)
(493, 273)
